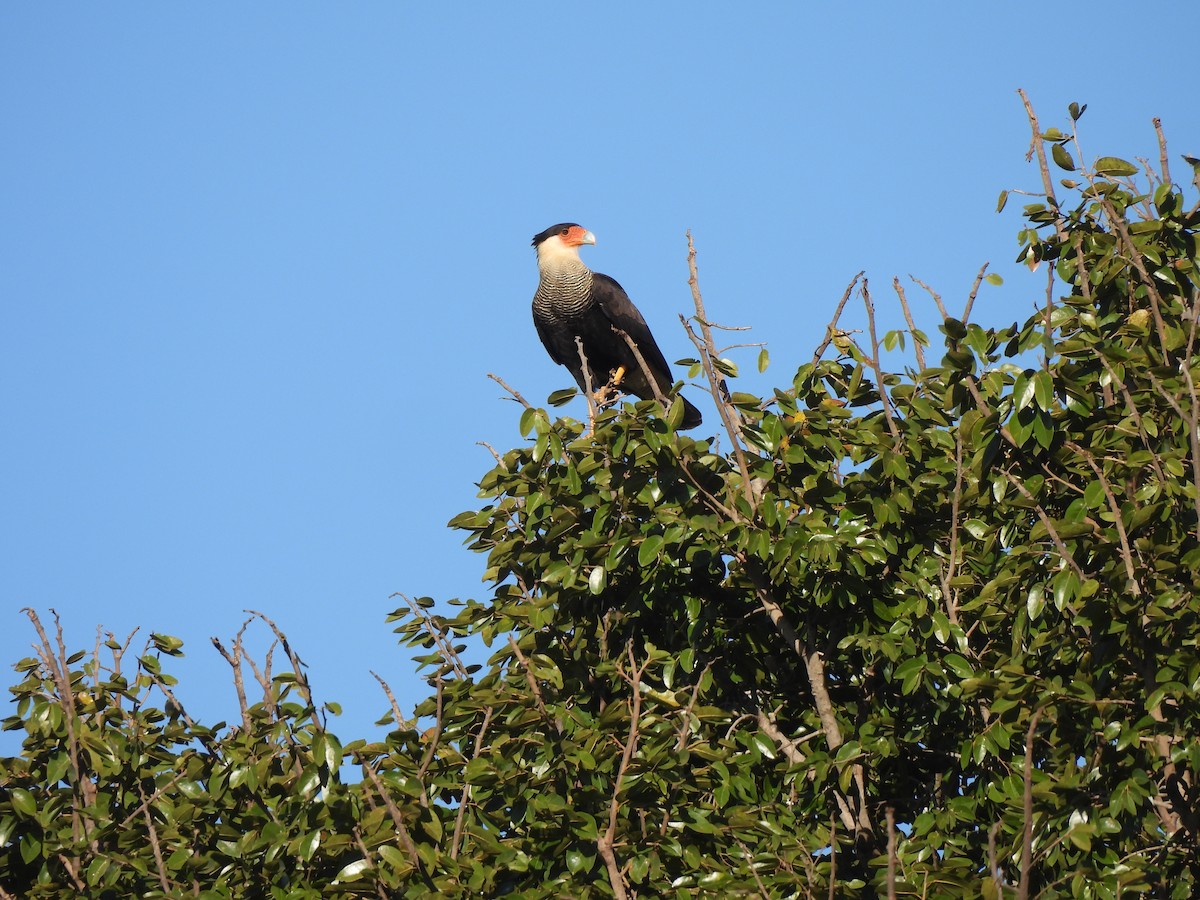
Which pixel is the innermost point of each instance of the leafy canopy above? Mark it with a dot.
(924, 633)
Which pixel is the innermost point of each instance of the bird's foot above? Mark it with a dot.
(609, 392)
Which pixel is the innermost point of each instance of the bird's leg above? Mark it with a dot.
(605, 394)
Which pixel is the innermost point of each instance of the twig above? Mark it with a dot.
(831, 328)
(437, 633)
(534, 687)
(993, 870)
(82, 787)
(588, 387)
(789, 746)
(875, 365)
(401, 722)
(406, 840)
(366, 855)
(1115, 508)
(491, 450)
(717, 385)
(1048, 524)
(937, 298)
(71, 865)
(641, 361)
(298, 666)
(1027, 836)
(235, 662)
(890, 817)
(955, 502)
(154, 845)
(465, 801)
(912, 325)
(431, 746)
(814, 666)
(974, 292)
(1162, 150)
(1036, 147)
(832, 857)
(606, 841)
(515, 394)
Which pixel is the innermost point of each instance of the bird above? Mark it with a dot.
(572, 302)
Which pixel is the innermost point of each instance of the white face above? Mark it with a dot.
(555, 252)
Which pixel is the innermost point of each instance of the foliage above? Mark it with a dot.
(932, 633)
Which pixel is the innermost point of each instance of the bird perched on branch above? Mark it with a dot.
(573, 302)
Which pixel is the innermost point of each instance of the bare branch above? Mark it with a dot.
(402, 832)
(641, 361)
(1162, 151)
(235, 662)
(515, 394)
(831, 328)
(1036, 147)
(398, 716)
(1046, 521)
(491, 450)
(534, 687)
(717, 386)
(974, 292)
(912, 325)
(1027, 835)
(159, 863)
(937, 298)
(589, 388)
(874, 363)
(606, 842)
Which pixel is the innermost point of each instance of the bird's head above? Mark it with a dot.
(561, 242)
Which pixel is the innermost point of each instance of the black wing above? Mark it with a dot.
(621, 312)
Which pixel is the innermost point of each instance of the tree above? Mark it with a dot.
(928, 633)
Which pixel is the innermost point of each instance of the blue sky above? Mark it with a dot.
(257, 259)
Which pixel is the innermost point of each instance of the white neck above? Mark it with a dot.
(555, 256)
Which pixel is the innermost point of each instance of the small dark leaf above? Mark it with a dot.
(561, 398)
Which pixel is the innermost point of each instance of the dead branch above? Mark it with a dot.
(912, 325)
(516, 395)
(875, 365)
(717, 385)
(831, 329)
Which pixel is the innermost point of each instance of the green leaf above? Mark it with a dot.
(726, 367)
(23, 802)
(395, 859)
(1036, 601)
(993, 278)
(560, 398)
(526, 423)
(1002, 202)
(1043, 387)
(353, 871)
(1062, 158)
(307, 845)
(165, 643)
(1114, 166)
(648, 551)
(598, 580)
(764, 359)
